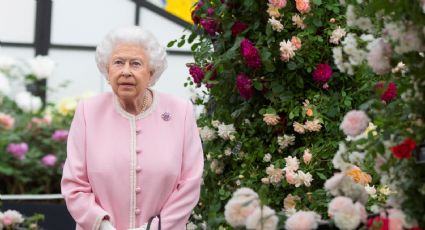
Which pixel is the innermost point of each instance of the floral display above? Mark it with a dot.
(32, 135)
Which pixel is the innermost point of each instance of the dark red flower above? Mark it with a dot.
(238, 27)
(250, 54)
(404, 150)
(378, 223)
(322, 73)
(197, 74)
(194, 14)
(209, 25)
(244, 85)
(388, 94)
(213, 76)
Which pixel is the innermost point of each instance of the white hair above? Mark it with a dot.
(133, 35)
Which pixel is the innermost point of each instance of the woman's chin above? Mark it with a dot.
(124, 94)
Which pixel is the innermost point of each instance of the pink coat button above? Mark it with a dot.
(137, 211)
(138, 169)
(138, 151)
(138, 131)
(138, 190)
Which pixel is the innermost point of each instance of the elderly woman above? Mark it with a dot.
(134, 153)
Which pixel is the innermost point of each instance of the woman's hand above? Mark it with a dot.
(106, 225)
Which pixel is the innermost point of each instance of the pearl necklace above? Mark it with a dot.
(145, 101)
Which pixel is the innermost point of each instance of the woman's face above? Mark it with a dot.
(128, 71)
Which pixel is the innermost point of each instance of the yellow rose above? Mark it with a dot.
(359, 176)
(67, 105)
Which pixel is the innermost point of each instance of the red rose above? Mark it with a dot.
(238, 27)
(389, 94)
(404, 150)
(378, 223)
(322, 73)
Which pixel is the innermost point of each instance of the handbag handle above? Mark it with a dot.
(150, 222)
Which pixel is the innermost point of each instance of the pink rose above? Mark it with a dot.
(302, 221)
(303, 6)
(354, 123)
(60, 135)
(296, 41)
(307, 156)
(6, 121)
(278, 3)
(290, 177)
(49, 160)
(7, 220)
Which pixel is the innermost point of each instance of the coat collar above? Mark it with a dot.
(141, 115)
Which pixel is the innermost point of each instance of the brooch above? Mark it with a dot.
(166, 116)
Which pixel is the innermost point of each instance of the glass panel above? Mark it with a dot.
(82, 22)
(22, 14)
(77, 67)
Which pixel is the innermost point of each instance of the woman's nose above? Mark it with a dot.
(126, 70)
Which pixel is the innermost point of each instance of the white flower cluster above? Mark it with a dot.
(41, 67)
(293, 175)
(285, 141)
(28, 102)
(226, 131)
(275, 175)
(244, 210)
(350, 54)
(337, 35)
(276, 25)
(4, 85)
(207, 134)
(310, 126)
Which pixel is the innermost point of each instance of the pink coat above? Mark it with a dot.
(128, 168)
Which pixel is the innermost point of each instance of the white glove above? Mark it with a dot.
(143, 227)
(106, 225)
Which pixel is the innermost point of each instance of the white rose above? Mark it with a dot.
(28, 102)
(41, 66)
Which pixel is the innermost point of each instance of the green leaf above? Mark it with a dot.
(317, 23)
(6, 170)
(171, 43)
(271, 111)
(181, 43)
(317, 2)
(191, 38)
(258, 85)
(269, 66)
(292, 65)
(321, 175)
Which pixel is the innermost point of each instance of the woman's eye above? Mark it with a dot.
(118, 62)
(137, 64)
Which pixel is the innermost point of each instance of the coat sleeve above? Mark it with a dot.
(75, 185)
(177, 209)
